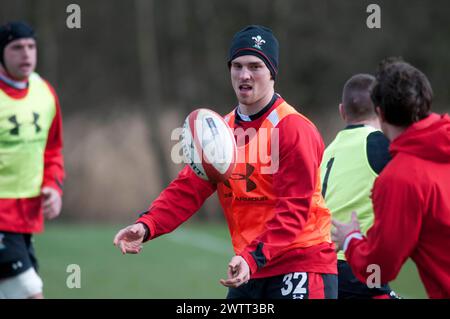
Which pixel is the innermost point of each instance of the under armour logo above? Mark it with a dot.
(35, 123)
(259, 41)
(250, 185)
(393, 295)
(16, 129)
(298, 296)
(17, 265)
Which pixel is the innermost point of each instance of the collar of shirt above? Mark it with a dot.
(352, 126)
(19, 85)
(249, 118)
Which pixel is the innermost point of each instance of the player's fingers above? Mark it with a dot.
(47, 200)
(334, 234)
(48, 212)
(45, 210)
(46, 206)
(232, 264)
(51, 198)
(335, 223)
(134, 250)
(230, 283)
(129, 247)
(45, 193)
(50, 207)
(242, 281)
(134, 229)
(230, 272)
(48, 195)
(116, 238)
(121, 247)
(119, 236)
(240, 278)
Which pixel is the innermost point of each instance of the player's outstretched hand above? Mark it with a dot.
(129, 239)
(238, 273)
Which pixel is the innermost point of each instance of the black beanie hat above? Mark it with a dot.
(258, 41)
(13, 31)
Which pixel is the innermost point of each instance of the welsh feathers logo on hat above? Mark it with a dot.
(259, 41)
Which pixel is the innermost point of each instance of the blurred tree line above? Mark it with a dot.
(136, 68)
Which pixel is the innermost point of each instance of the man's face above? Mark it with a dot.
(20, 58)
(251, 79)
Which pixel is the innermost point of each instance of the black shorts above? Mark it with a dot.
(351, 288)
(297, 285)
(16, 254)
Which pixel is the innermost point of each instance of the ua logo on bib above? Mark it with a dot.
(250, 185)
(16, 129)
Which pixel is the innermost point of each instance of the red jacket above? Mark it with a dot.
(411, 199)
(24, 215)
(301, 150)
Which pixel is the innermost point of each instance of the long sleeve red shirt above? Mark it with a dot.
(411, 200)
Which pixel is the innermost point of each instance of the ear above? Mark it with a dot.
(342, 112)
(380, 114)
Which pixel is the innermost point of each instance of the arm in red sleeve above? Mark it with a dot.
(177, 203)
(294, 183)
(394, 234)
(53, 157)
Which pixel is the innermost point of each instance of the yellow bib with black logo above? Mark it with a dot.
(24, 127)
(349, 178)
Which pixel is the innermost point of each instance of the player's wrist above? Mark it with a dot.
(53, 187)
(355, 234)
(251, 263)
(146, 231)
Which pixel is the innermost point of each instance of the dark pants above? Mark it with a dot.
(16, 254)
(298, 285)
(351, 288)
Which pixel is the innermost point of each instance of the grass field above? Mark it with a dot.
(185, 264)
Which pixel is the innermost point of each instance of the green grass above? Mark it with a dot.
(408, 284)
(185, 264)
(168, 267)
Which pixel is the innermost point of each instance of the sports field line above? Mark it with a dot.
(201, 240)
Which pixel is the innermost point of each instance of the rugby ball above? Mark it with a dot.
(208, 144)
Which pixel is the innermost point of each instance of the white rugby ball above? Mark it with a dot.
(209, 147)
